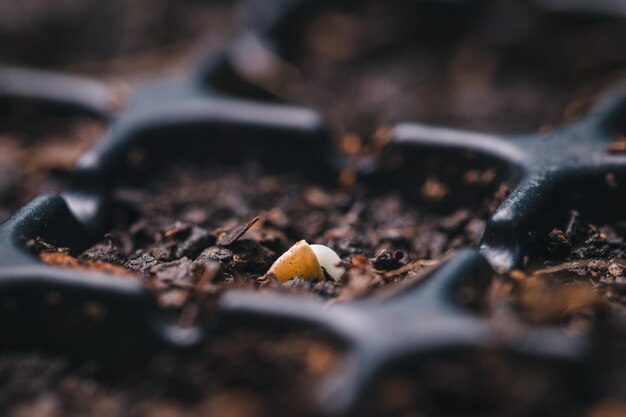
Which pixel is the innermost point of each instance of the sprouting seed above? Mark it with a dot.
(308, 262)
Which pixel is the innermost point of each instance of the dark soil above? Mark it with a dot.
(115, 38)
(246, 374)
(37, 152)
(583, 253)
(503, 68)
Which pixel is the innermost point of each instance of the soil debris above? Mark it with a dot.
(245, 216)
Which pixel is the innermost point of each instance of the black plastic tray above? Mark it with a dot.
(93, 315)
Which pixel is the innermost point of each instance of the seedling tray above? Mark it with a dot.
(92, 315)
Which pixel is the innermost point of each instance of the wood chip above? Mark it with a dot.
(616, 147)
(68, 261)
(517, 275)
(228, 238)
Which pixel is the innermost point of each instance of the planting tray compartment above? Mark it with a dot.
(65, 311)
(80, 313)
(40, 302)
(570, 169)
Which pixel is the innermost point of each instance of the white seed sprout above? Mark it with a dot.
(329, 261)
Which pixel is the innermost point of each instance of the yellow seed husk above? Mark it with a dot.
(299, 260)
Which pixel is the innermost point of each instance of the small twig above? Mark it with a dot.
(572, 224)
(578, 263)
(408, 267)
(618, 146)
